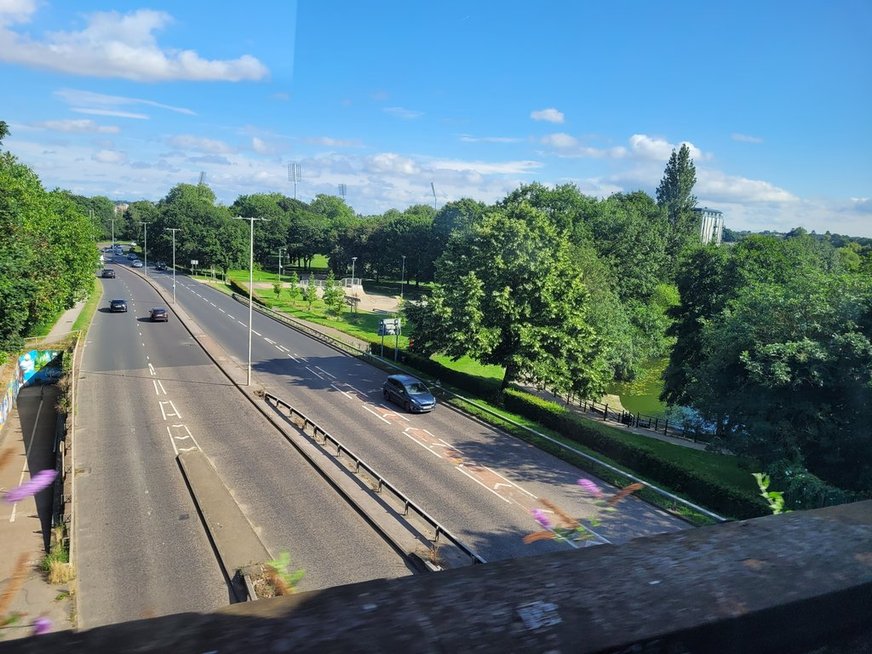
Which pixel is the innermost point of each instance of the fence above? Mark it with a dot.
(323, 438)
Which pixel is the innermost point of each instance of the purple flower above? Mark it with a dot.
(590, 487)
(41, 626)
(542, 518)
(39, 481)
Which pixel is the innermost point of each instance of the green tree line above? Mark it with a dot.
(47, 251)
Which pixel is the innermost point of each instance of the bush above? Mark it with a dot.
(803, 490)
(699, 487)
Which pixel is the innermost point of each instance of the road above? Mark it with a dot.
(477, 481)
(146, 391)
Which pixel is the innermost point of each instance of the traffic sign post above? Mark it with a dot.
(389, 327)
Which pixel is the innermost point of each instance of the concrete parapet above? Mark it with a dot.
(799, 582)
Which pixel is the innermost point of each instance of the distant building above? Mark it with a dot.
(121, 207)
(711, 225)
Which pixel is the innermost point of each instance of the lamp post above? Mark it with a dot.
(402, 278)
(145, 249)
(250, 220)
(113, 236)
(174, 230)
(353, 259)
(280, 263)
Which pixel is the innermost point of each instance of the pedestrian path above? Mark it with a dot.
(26, 447)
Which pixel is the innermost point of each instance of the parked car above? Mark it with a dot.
(116, 306)
(159, 314)
(409, 392)
(108, 273)
(136, 263)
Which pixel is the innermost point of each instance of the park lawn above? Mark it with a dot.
(642, 395)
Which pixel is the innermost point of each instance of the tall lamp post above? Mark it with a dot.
(174, 230)
(145, 249)
(250, 220)
(353, 293)
(113, 236)
(402, 278)
(280, 263)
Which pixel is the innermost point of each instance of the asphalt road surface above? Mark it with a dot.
(147, 391)
(477, 481)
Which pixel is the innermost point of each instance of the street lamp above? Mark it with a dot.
(113, 236)
(280, 263)
(251, 220)
(145, 249)
(353, 259)
(174, 230)
(402, 278)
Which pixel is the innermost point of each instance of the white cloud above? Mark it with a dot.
(402, 112)
(717, 186)
(109, 156)
(487, 167)
(468, 138)
(77, 126)
(199, 144)
(100, 100)
(16, 11)
(560, 140)
(109, 112)
(550, 115)
(863, 205)
(260, 146)
(335, 143)
(117, 45)
(745, 138)
(658, 149)
(389, 162)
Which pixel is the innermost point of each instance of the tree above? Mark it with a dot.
(675, 197)
(334, 296)
(4, 130)
(294, 287)
(507, 294)
(310, 294)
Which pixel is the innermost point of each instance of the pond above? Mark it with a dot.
(642, 395)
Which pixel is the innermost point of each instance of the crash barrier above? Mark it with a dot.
(385, 363)
(321, 437)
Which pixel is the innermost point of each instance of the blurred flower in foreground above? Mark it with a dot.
(38, 482)
(41, 626)
(569, 529)
(590, 487)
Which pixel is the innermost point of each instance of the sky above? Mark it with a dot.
(397, 102)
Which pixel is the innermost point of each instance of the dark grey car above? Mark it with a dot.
(409, 392)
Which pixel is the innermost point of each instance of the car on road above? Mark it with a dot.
(131, 256)
(116, 306)
(409, 392)
(160, 266)
(136, 263)
(108, 273)
(158, 314)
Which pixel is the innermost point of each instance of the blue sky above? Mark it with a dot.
(127, 99)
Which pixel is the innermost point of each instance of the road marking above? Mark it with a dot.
(376, 415)
(27, 449)
(175, 412)
(291, 356)
(332, 376)
(151, 370)
(221, 310)
(158, 387)
(241, 323)
(212, 303)
(270, 341)
(314, 372)
(256, 333)
(283, 348)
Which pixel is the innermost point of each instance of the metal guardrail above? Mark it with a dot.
(385, 362)
(310, 428)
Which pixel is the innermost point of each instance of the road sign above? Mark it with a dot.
(389, 327)
(195, 262)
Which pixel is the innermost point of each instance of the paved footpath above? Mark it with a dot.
(26, 447)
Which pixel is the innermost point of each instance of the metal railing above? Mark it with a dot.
(321, 437)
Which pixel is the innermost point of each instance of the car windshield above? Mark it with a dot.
(416, 388)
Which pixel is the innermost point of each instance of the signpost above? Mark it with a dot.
(194, 262)
(390, 327)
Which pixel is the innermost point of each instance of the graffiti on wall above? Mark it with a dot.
(33, 368)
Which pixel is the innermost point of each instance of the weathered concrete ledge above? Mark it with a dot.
(801, 582)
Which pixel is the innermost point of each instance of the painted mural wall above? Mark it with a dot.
(33, 368)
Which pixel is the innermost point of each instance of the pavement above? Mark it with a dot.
(26, 447)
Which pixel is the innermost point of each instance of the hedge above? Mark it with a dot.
(699, 487)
